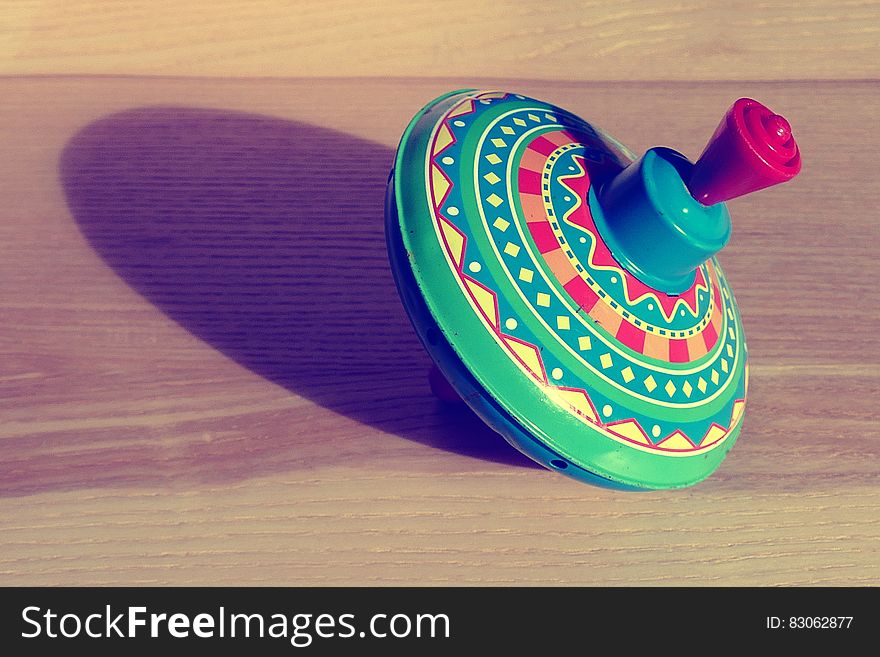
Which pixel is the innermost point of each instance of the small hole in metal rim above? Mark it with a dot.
(558, 463)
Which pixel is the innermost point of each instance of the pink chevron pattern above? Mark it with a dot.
(683, 349)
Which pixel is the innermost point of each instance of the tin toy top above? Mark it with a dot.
(572, 295)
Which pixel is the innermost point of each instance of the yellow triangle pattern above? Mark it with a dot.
(439, 184)
(738, 408)
(676, 441)
(466, 107)
(444, 138)
(529, 356)
(713, 435)
(485, 299)
(632, 431)
(578, 401)
(454, 239)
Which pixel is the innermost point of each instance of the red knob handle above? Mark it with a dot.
(752, 148)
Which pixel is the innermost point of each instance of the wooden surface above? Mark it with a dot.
(552, 39)
(206, 376)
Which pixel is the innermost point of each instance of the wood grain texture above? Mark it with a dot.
(206, 376)
(553, 39)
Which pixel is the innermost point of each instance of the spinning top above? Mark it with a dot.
(572, 296)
